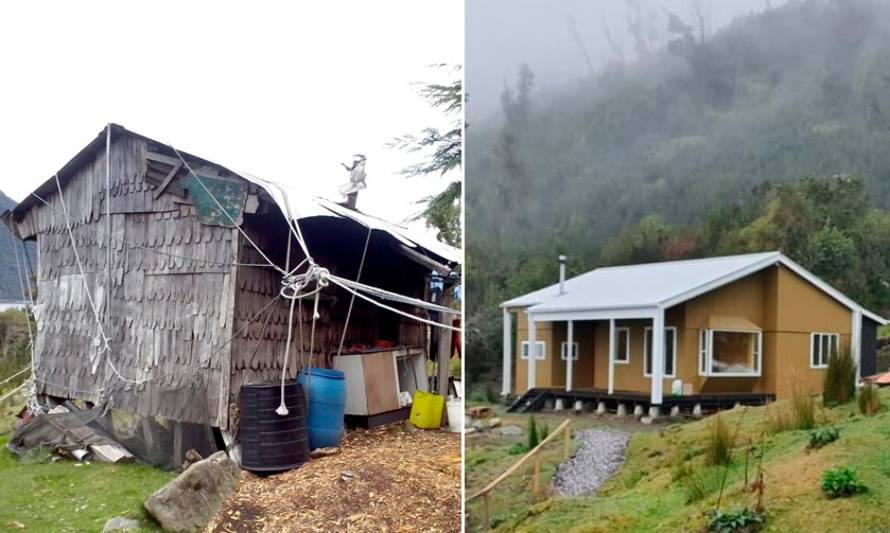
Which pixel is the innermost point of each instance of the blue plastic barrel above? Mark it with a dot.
(327, 404)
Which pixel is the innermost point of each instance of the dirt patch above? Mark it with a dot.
(386, 479)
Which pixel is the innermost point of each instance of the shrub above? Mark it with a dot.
(737, 521)
(822, 437)
(840, 482)
(718, 450)
(682, 467)
(779, 418)
(517, 449)
(533, 437)
(804, 408)
(544, 432)
(700, 482)
(840, 379)
(869, 400)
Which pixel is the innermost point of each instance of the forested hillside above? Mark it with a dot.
(774, 133)
(10, 290)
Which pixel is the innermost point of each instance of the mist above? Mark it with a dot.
(684, 133)
(567, 40)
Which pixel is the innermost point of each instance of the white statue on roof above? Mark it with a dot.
(356, 175)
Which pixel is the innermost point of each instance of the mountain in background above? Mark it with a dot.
(10, 289)
(705, 136)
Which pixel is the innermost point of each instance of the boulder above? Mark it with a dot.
(189, 502)
(120, 523)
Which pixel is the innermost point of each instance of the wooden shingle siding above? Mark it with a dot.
(168, 303)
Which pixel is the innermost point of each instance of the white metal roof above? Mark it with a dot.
(644, 288)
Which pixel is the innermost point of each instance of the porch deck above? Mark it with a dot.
(535, 399)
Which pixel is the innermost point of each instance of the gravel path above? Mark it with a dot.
(600, 455)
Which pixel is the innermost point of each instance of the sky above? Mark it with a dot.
(504, 34)
(284, 91)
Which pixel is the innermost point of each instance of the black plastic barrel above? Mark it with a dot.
(271, 442)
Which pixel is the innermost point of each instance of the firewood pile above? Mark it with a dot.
(387, 479)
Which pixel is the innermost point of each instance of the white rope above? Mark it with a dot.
(12, 377)
(282, 409)
(104, 340)
(204, 362)
(358, 276)
(13, 391)
(226, 213)
(393, 309)
(395, 297)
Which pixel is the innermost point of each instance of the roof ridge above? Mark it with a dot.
(687, 261)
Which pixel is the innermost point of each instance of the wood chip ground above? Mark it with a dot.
(386, 479)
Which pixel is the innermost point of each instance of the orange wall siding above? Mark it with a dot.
(785, 306)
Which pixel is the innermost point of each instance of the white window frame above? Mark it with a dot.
(618, 332)
(708, 353)
(562, 350)
(542, 350)
(825, 357)
(703, 350)
(648, 371)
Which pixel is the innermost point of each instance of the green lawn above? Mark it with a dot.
(644, 496)
(65, 495)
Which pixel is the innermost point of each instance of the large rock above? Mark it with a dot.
(189, 502)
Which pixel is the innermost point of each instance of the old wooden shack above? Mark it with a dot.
(173, 250)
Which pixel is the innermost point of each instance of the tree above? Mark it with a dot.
(443, 151)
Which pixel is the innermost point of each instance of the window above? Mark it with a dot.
(822, 346)
(730, 353)
(574, 351)
(540, 352)
(622, 346)
(670, 349)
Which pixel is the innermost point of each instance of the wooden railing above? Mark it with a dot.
(485, 493)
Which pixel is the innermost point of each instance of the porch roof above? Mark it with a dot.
(640, 290)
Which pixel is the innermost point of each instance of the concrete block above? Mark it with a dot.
(601, 408)
(622, 410)
(638, 410)
(697, 411)
(654, 412)
(558, 406)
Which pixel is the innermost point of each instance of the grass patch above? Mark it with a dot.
(869, 402)
(803, 407)
(69, 496)
(678, 489)
(719, 447)
(839, 385)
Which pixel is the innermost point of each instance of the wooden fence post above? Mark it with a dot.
(486, 511)
(568, 444)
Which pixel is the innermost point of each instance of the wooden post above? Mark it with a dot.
(444, 355)
(568, 443)
(486, 511)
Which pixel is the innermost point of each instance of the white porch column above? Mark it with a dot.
(657, 356)
(856, 342)
(532, 354)
(611, 355)
(570, 354)
(508, 354)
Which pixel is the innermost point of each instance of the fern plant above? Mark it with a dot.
(823, 437)
(841, 482)
(736, 521)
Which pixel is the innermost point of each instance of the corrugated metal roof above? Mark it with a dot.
(664, 284)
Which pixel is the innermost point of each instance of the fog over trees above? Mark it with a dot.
(664, 130)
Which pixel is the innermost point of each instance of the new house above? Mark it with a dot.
(745, 328)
